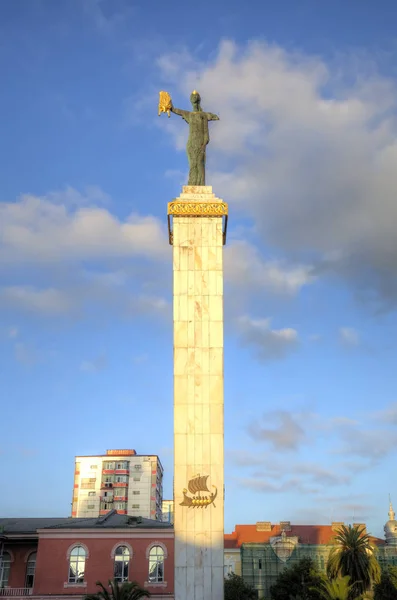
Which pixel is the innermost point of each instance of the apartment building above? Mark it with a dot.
(123, 480)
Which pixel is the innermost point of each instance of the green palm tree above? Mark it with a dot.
(128, 590)
(336, 589)
(354, 556)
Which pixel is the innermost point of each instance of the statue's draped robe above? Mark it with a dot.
(197, 142)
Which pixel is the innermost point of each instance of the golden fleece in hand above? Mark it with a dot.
(165, 103)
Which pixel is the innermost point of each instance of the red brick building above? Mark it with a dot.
(65, 557)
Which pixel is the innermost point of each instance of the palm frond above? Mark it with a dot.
(128, 590)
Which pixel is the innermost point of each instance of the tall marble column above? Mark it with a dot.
(197, 221)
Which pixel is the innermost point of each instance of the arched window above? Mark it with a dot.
(77, 564)
(5, 565)
(156, 564)
(30, 569)
(121, 562)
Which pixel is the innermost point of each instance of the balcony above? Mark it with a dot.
(122, 471)
(107, 471)
(120, 484)
(15, 591)
(105, 485)
(120, 498)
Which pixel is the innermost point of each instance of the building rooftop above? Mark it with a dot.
(307, 534)
(111, 520)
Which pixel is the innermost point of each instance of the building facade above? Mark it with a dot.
(66, 557)
(121, 480)
(266, 549)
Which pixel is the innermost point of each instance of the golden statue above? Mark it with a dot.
(165, 103)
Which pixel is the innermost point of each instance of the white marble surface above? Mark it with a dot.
(198, 398)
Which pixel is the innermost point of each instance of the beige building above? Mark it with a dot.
(120, 479)
(168, 511)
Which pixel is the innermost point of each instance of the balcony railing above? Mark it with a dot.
(15, 591)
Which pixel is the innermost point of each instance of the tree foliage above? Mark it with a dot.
(237, 589)
(386, 589)
(302, 580)
(353, 555)
(336, 589)
(128, 590)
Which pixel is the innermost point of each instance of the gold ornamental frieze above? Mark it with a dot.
(197, 209)
(179, 208)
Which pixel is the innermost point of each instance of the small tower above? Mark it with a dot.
(391, 511)
(390, 528)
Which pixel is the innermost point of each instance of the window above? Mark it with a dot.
(228, 568)
(120, 505)
(156, 564)
(121, 562)
(30, 569)
(77, 564)
(91, 493)
(135, 506)
(90, 506)
(108, 466)
(93, 466)
(5, 565)
(121, 478)
(135, 492)
(122, 465)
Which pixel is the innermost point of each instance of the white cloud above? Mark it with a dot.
(287, 433)
(389, 414)
(349, 336)
(373, 444)
(246, 268)
(268, 343)
(107, 18)
(40, 301)
(65, 227)
(312, 158)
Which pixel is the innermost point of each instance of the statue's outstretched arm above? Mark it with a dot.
(212, 117)
(182, 113)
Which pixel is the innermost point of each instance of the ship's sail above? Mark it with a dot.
(187, 501)
(198, 484)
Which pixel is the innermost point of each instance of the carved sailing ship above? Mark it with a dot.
(197, 486)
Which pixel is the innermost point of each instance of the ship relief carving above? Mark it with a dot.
(201, 495)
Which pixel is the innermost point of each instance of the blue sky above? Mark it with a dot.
(305, 155)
